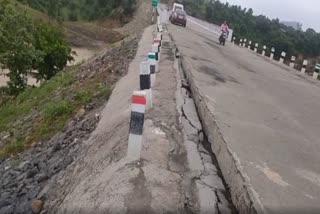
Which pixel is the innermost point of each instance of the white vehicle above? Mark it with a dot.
(177, 6)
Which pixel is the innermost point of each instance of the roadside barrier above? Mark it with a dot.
(316, 72)
(304, 66)
(138, 108)
(293, 59)
(145, 81)
(153, 62)
(283, 55)
(153, 68)
(256, 47)
(141, 100)
(264, 50)
(273, 50)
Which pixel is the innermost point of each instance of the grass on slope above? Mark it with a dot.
(38, 113)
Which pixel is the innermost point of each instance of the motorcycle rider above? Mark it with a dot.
(224, 28)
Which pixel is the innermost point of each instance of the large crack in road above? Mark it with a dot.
(213, 196)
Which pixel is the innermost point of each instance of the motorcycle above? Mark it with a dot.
(223, 37)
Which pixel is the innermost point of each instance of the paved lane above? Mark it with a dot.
(269, 117)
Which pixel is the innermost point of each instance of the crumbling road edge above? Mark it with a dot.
(244, 197)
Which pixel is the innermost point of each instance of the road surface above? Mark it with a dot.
(268, 117)
(175, 173)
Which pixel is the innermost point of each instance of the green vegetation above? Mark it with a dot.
(56, 53)
(52, 104)
(27, 45)
(32, 43)
(257, 28)
(74, 10)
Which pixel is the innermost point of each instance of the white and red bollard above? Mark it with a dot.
(304, 66)
(138, 109)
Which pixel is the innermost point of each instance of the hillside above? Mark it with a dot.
(45, 127)
(87, 39)
(74, 10)
(87, 34)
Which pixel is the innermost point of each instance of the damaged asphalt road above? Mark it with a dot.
(176, 173)
(204, 173)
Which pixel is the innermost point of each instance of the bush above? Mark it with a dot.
(26, 46)
(50, 41)
(55, 110)
(83, 97)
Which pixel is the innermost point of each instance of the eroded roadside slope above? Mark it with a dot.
(42, 171)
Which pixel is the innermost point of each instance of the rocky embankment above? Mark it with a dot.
(28, 178)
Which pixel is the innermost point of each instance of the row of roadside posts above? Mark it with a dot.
(142, 99)
(248, 44)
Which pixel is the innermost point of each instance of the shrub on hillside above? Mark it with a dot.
(27, 46)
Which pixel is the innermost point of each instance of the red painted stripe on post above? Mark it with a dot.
(139, 100)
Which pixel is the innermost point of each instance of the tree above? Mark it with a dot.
(17, 52)
(26, 45)
(56, 53)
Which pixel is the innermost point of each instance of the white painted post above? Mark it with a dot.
(155, 49)
(138, 109)
(240, 43)
(245, 42)
(153, 63)
(316, 72)
(234, 40)
(273, 50)
(249, 47)
(256, 47)
(264, 50)
(145, 81)
(283, 55)
(304, 66)
(293, 59)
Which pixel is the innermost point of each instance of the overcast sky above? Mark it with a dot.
(306, 12)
